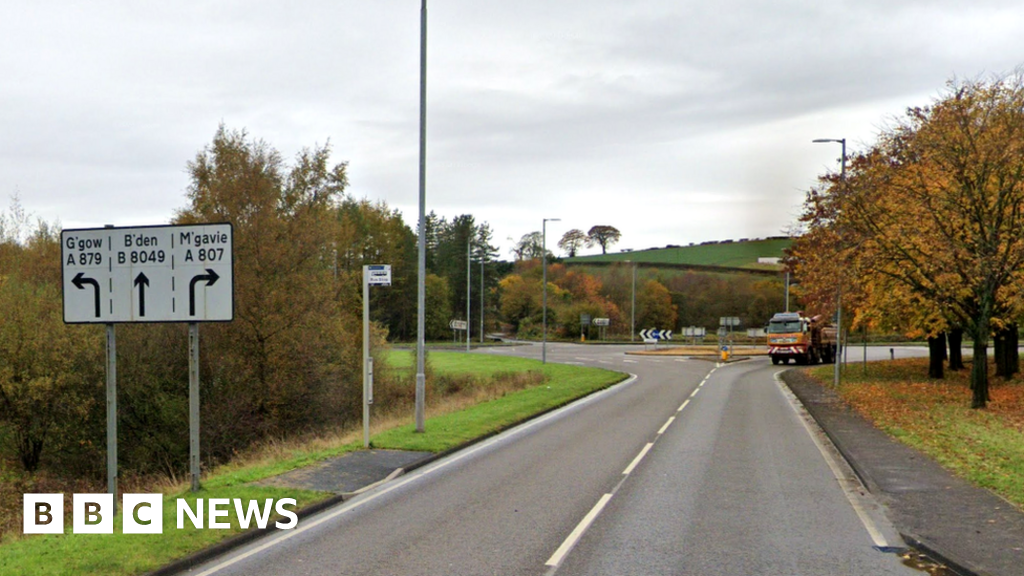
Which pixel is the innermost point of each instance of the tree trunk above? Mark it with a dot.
(956, 341)
(936, 350)
(979, 371)
(945, 354)
(999, 347)
(1012, 353)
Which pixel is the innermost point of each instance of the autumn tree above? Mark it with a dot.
(603, 236)
(937, 207)
(51, 373)
(373, 233)
(654, 308)
(529, 246)
(572, 241)
(519, 299)
(279, 365)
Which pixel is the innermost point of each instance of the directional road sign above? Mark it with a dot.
(148, 274)
(602, 322)
(652, 334)
(458, 325)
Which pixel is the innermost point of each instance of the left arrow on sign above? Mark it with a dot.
(142, 281)
(211, 277)
(80, 281)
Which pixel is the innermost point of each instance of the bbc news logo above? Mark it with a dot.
(144, 513)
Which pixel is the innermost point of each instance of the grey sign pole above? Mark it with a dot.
(366, 356)
(112, 413)
(469, 260)
(193, 403)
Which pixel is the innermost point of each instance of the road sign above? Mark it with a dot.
(729, 321)
(379, 274)
(653, 334)
(585, 320)
(148, 274)
(694, 331)
(602, 322)
(458, 325)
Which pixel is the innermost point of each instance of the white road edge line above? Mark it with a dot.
(694, 393)
(370, 497)
(820, 441)
(665, 427)
(683, 406)
(575, 535)
(639, 457)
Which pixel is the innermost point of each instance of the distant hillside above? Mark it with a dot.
(725, 254)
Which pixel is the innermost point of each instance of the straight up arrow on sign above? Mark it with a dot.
(142, 281)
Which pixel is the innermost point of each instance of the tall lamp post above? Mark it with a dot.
(421, 290)
(839, 287)
(632, 307)
(544, 266)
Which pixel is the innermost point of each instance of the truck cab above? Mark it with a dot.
(805, 340)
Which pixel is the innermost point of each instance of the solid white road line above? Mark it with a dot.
(575, 535)
(439, 465)
(639, 457)
(819, 439)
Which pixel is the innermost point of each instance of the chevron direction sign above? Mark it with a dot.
(653, 334)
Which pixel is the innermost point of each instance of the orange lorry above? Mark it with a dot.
(804, 340)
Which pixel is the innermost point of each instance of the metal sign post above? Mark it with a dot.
(112, 413)
(193, 404)
(375, 275)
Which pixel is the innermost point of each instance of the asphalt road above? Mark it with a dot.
(688, 468)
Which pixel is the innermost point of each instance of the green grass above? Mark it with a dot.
(479, 365)
(984, 447)
(730, 255)
(128, 554)
(565, 383)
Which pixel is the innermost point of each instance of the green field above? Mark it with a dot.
(726, 255)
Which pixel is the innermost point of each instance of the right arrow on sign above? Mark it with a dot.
(80, 281)
(142, 281)
(210, 277)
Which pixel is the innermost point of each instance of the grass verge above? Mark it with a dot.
(985, 447)
(446, 427)
(443, 432)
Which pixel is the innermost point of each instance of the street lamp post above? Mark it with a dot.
(632, 307)
(544, 281)
(483, 256)
(421, 290)
(469, 260)
(839, 286)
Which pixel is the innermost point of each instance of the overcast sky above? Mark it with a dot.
(675, 121)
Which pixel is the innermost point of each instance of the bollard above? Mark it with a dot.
(892, 354)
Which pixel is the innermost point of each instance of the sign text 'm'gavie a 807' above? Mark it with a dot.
(148, 274)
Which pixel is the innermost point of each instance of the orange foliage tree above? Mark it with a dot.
(931, 218)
